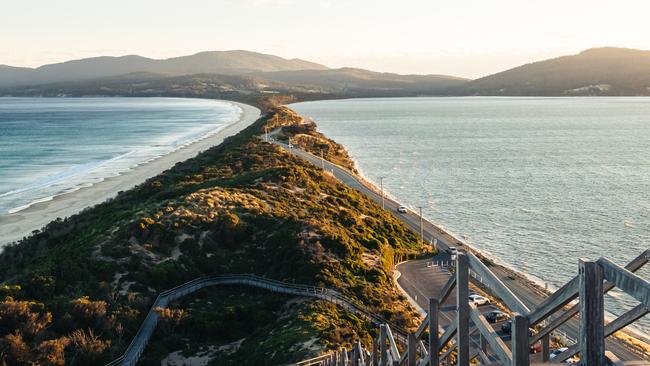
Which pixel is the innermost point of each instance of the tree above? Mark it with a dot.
(27, 317)
(90, 347)
(51, 352)
(170, 318)
(90, 313)
(16, 351)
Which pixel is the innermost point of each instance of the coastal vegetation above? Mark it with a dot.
(76, 291)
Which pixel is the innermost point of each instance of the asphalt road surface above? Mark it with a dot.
(416, 282)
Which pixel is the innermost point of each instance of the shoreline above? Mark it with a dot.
(16, 225)
(533, 281)
(119, 172)
(530, 281)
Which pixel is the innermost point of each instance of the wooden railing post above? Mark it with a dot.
(411, 346)
(374, 353)
(355, 356)
(546, 348)
(462, 307)
(434, 339)
(592, 314)
(482, 342)
(382, 345)
(360, 355)
(520, 347)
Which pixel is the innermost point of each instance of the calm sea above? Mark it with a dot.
(537, 182)
(53, 146)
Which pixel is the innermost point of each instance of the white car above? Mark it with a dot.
(478, 300)
(402, 209)
(556, 352)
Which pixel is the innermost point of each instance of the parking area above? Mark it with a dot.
(423, 279)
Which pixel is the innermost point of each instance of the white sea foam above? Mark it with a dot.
(87, 174)
(24, 207)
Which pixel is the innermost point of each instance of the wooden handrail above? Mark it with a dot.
(627, 281)
(496, 343)
(569, 292)
(497, 286)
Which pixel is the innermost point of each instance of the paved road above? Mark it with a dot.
(438, 277)
(422, 284)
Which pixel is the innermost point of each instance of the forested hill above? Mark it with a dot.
(214, 62)
(597, 71)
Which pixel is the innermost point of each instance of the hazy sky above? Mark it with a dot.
(461, 37)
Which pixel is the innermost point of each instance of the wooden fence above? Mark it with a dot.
(594, 280)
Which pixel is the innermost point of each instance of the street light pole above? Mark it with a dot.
(381, 185)
(421, 228)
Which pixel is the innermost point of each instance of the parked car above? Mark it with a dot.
(556, 352)
(496, 316)
(536, 348)
(402, 209)
(507, 329)
(452, 251)
(478, 300)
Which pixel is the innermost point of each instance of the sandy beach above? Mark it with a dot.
(17, 225)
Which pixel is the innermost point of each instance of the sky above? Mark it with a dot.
(468, 38)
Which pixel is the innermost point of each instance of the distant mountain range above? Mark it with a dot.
(351, 79)
(215, 62)
(598, 71)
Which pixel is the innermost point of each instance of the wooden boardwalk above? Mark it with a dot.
(138, 344)
(594, 280)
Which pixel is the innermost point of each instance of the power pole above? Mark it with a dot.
(381, 185)
(266, 134)
(421, 228)
(322, 159)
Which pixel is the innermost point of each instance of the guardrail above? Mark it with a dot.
(440, 263)
(138, 344)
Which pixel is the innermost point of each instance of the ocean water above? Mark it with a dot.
(536, 182)
(53, 146)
